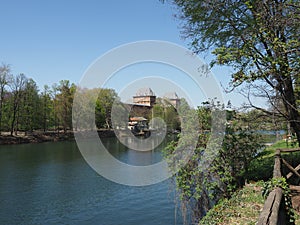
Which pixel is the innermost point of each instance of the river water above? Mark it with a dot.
(50, 183)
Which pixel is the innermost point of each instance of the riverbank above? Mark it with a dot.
(246, 204)
(50, 136)
(243, 207)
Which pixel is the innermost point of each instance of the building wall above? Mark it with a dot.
(139, 110)
(144, 100)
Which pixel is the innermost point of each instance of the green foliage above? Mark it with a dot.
(100, 115)
(24, 108)
(64, 100)
(207, 177)
(104, 103)
(5, 79)
(29, 116)
(278, 144)
(259, 39)
(46, 106)
(239, 149)
(167, 112)
(17, 90)
(281, 183)
(261, 168)
(171, 118)
(258, 120)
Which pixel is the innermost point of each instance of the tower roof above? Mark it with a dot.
(171, 95)
(145, 92)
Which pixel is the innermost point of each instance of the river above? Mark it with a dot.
(50, 183)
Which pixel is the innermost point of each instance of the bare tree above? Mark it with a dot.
(5, 79)
(17, 86)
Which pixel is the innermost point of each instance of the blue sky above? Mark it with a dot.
(54, 40)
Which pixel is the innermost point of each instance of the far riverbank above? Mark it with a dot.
(49, 136)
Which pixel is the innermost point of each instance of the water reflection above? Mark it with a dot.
(133, 157)
(50, 183)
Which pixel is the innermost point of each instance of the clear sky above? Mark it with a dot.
(54, 40)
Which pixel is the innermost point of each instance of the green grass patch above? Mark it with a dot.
(242, 208)
(261, 168)
(282, 144)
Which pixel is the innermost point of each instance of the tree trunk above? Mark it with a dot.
(17, 122)
(107, 123)
(289, 101)
(13, 123)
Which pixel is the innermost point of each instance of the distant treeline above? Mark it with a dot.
(24, 107)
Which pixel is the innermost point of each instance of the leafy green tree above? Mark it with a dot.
(84, 107)
(158, 110)
(240, 147)
(166, 111)
(54, 116)
(30, 115)
(171, 118)
(64, 100)
(104, 103)
(100, 115)
(259, 39)
(46, 103)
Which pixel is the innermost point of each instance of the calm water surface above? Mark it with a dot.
(50, 183)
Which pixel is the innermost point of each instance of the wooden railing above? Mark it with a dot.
(274, 211)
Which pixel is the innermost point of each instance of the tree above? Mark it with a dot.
(17, 86)
(5, 79)
(104, 103)
(166, 111)
(209, 176)
(46, 107)
(54, 93)
(84, 108)
(259, 39)
(30, 110)
(100, 115)
(64, 102)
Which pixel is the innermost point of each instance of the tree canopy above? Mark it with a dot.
(259, 39)
(23, 107)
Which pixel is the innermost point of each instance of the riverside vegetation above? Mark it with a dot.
(260, 41)
(25, 108)
(220, 194)
(27, 111)
(28, 114)
(245, 205)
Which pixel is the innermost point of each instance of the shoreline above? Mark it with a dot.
(48, 136)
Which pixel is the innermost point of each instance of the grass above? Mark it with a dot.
(281, 144)
(242, 208)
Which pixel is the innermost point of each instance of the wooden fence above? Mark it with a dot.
(274, 211)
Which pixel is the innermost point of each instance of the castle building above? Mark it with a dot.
(145, 99)
(144, 96)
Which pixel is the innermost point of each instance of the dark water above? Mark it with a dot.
(50, 183)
